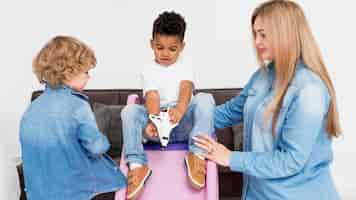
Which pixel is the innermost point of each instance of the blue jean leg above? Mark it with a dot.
(198, 119)
(134, 120)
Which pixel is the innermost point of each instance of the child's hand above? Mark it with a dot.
(175, 115)
(151, 130)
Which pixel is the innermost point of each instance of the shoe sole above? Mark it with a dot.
(192, 182)
(139, 190)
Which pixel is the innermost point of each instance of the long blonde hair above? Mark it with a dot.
(292, 40)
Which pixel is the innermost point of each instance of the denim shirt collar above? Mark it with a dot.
(66, 88)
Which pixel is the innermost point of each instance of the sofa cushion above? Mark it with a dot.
(109, 123)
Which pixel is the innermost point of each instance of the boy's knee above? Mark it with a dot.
(130, 110)
(205, 99)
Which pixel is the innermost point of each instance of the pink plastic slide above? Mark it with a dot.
(169, 178)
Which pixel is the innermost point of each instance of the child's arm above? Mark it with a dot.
(185, 94)
(152, 99)
(91, 139)
(152, 102)
(150, 92)
(153, 107)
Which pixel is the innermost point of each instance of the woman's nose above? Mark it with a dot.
(257, 41)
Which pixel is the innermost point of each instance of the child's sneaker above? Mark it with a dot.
(136, 180)
(196, 170)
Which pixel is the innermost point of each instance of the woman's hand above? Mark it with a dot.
(215, 151)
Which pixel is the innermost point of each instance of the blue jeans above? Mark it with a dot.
(198, 119)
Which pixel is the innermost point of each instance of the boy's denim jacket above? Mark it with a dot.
(297, 167)
(63, 151)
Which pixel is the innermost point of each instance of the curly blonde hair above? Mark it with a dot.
(61, 59)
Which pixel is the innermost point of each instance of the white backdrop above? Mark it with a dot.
(218, 43)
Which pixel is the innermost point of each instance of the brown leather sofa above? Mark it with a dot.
(230, 183)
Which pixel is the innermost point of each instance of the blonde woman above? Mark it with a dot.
(288, 109)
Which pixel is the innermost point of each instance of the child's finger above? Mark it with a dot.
(173, 119)
(170, 113)
(153, 130)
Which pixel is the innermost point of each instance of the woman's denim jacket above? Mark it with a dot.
(63, 151)
(297, 166)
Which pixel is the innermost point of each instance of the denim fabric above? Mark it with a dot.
(63, 151)
(295, 163)
(197, 119)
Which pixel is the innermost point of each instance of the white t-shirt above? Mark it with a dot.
(166, 80)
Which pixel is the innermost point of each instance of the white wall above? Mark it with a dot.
(218, 43)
